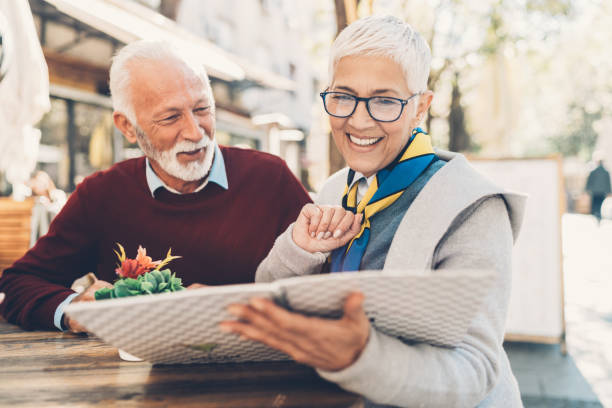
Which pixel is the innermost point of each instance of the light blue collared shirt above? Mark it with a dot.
(217, 175)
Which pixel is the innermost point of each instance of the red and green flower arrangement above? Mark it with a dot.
(141, 276)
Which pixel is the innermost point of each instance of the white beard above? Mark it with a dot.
(168, 160)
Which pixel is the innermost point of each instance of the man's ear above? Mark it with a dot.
(125, 126)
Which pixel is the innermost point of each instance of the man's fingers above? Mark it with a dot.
(195, 286)
(88, 295)
(1, 297)
(99, 284)
(73, 326)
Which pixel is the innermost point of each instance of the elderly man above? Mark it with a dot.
(219, 208)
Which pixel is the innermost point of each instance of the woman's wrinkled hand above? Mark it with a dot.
(323, 228)
(326, 344)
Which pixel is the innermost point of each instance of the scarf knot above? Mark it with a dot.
(387, 186)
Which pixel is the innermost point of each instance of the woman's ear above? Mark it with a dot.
(425, 102)
(125, 126)
(423, 106)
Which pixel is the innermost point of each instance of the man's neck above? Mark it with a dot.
(181, 186)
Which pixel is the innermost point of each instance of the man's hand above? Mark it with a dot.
(1, 297)
(195, 286)
(86, 296)
(322, 228)
(322, 343)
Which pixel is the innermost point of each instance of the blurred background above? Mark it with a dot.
(515, 81)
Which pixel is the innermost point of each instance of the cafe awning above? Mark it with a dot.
(127, 21)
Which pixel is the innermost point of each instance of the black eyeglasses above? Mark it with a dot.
(380, 108)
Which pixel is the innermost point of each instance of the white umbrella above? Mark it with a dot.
(24, 91)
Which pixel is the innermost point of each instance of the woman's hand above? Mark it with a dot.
(323, 228)
(88, 295)
(322, 343)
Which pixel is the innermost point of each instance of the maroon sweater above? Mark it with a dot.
(222, 235)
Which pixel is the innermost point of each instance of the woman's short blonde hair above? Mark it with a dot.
(385, 36)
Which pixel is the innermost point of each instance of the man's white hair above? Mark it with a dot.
(385, 36)
(144, 51)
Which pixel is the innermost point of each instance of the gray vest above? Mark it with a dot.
(384, 224)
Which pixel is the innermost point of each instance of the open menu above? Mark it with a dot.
(435, 307)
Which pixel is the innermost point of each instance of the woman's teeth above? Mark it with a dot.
(364, 142)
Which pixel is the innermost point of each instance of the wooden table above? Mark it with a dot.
(42, 369)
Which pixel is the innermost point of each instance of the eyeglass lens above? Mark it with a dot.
(380, 108)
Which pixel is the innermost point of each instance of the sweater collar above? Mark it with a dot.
(217, 175)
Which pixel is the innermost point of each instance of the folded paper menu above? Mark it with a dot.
(435, 307)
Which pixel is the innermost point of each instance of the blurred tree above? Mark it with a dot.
(580, 138)
(169, 8)
(459, 139)
(346, 13)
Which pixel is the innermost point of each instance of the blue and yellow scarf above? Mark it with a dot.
(386, 187)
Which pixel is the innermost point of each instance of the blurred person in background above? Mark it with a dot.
(400, 204)
(44, 188)
(49, 202)
(598, 186)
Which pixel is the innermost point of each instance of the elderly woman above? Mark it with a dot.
(398, 205)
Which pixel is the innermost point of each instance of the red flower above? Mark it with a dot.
(130, 268)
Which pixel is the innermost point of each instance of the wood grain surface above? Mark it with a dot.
(53, 369)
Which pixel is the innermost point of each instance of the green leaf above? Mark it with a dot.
(131, 284)
(104, 293)
(147, 286)
(159, 277)
(162, 286)
(176, 282)
(166, 275)
(121, 290)
(152, 279)
(121, 283)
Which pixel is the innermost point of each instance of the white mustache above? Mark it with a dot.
(187, 146)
